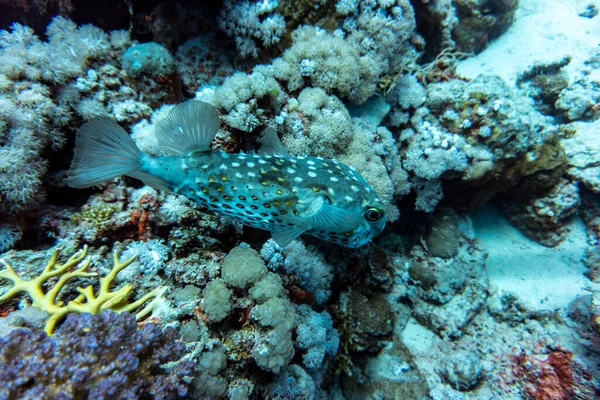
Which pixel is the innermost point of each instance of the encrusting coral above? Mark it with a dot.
(95, 357)
(87, 301)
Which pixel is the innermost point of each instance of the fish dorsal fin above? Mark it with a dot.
(190, 126)
(334, 219)
(271, 144)
(287, 234)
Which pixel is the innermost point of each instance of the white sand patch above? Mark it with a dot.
(543, 31)
(543, 278)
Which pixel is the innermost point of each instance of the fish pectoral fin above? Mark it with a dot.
(334, 219)
(151, 180)
(271, 144)
(190, 126)
(287, 234)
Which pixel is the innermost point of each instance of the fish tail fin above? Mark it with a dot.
(103, 151)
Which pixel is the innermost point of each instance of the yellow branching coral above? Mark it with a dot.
(88, 301)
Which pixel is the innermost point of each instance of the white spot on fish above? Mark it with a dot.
(204, 166)
(251, 165)
(238, 175)
(251, 175)
(301, 158)
(223, 167)
(298, 179)
(324, 165)
(235, 164)
(354, 188)
(330, 191)
(319, 158)
(291, 170)
(241, 157)
(261, 161)
(333, 179)
(329, 171)
(312, 168)
(310, 162)
(348, 199)
(312, 174)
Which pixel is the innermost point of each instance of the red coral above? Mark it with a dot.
(141, 219)
(5, 311)
(549, 378)
(244, 315)
(299, 295)
(201, 315)
(227, 142)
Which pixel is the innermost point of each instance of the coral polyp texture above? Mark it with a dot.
(295, 199)
(94, 356)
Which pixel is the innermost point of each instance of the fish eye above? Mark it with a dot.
(373, 214)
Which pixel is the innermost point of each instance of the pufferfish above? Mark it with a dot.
(270, 190)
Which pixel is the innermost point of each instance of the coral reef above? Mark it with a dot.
(88, 301)
(468, 25)
(248, 22)
(544, 219)
(447, 293)
(483, 284)
(94, 356)
(581, 148)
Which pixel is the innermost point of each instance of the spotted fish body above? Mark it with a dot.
(271, 190)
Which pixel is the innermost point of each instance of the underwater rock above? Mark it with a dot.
(202, 61)
(443, 239)
(579, 101)
(545, 219)
(466, 25)
(582, 150)
(29, 317)
(368, 318)
(592, 261)
(379, 266)
(151, 67)
(481, 21)
(506, 307)
(544, 83)
(391, 374)
(580, 310)
(480, 138)
(463, 370)
(147, 59)
(447, 293)
(590, 212)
